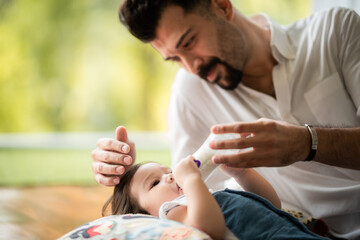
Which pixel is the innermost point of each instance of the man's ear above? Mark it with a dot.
(223, 7)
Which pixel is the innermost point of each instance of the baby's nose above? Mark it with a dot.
(170, 178)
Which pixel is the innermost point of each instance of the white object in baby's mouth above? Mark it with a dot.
(205, 153)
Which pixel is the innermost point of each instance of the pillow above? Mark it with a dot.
(315, 225)
(134, 226)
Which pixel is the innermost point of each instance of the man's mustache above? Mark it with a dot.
(234, 76)
(205, 68)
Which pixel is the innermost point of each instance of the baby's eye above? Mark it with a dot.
(156, 182)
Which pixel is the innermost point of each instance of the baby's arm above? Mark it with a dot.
(202, 212)
(252, 181)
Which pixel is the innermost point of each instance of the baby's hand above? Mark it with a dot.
(185, 170)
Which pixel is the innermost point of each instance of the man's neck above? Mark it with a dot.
(257, 72)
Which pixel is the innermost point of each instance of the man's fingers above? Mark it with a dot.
(239, 143)
(103, 168)
(107, 181)
(246, 159)
(111, 157)
(113, 145)
(121, 134)
(243, 127)
(257, 141)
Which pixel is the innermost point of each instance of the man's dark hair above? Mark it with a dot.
(141, 17)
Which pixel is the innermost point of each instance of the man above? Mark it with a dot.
(266, 82)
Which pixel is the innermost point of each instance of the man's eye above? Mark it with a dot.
(175, 59)
(156, 182)
(189, 42)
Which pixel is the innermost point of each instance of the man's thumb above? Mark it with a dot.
(121, 134)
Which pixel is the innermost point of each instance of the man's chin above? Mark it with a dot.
(230, 87)
(212, 82)
(224, 84)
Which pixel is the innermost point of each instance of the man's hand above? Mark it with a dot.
(112, 158)
(271, 144)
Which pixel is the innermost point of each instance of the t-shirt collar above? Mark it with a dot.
(280, 42)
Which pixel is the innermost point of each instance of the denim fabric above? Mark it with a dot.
(250, 216)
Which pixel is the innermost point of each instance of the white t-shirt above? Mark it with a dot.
(317, 81)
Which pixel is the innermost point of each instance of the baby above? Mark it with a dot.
(150, 188)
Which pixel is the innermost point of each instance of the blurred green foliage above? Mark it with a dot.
(70, 66)
(35, 167)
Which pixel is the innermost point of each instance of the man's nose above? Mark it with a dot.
(192, 63)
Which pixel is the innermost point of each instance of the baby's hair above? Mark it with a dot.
(121, 200)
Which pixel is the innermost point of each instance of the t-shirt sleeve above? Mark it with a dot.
(349, 53)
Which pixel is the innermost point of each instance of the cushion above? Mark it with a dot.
(134, 226)
(315, 225)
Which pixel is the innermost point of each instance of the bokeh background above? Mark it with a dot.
(70, 66)
(70, 74)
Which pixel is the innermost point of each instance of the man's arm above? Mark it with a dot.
(278, 143)
(339, 147)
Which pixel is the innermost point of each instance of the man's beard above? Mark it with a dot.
(233, 76)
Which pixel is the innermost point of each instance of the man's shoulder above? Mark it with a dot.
(261, 20)
(330, 16)
(341, 11)
(333, 16)
(184, 79)
(335, 23)
(188, 85)
(327, 23)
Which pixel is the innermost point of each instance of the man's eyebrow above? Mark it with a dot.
(179, 43)
(182, 38)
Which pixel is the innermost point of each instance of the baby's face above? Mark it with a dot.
(152, 185)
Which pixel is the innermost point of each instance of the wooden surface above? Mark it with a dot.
(48, 212)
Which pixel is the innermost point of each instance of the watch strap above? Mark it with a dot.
(314, 142)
